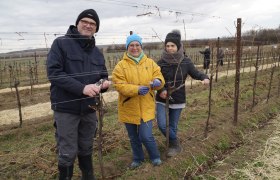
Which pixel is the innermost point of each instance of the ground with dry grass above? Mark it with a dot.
(257, 158)
(29, 152)
(35, 103)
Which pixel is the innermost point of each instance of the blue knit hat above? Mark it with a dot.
(133, 37)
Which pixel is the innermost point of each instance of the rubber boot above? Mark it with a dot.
(174, 148)
(85, 164)
(65, 172)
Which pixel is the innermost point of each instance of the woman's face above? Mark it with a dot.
(171, 47)
(134, 49)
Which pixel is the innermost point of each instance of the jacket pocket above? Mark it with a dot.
(74, 64)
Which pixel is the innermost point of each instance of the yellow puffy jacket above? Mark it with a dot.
(127, 76)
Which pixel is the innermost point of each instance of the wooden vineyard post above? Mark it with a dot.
(18, 102)
(237, 75)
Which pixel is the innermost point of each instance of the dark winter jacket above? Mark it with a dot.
(221, 54)
(185, 68)
(206, 54)
(73, 62)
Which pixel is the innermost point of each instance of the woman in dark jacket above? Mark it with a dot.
(175, 67)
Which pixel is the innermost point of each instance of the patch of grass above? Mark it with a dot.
(170, 171)
(246, 94)
(114, 154)
(239, 133)
(200, 159)
(237, 175)
(258, 164)
(223, 144)
(252, 122)
(121, 164)
(7, 137)
(197, 117)
(46, 128)
(208, 177)
(187, 163)
(26, 135)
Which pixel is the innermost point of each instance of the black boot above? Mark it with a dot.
(174, 148)
(65, 172)
(85, 164)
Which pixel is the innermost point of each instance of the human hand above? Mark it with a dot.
(105, 84)
(163, 94)
(91, 90)
(206, 81)
(143, 90)
(155, 83)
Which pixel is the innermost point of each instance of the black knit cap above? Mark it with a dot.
(89, 13)
(175, 37)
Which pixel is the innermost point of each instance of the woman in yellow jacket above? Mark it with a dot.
(136, 77)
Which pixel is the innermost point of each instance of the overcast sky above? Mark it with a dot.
(31, 24)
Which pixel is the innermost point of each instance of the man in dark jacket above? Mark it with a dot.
(220, 57)
(206, 60)
(74, 66)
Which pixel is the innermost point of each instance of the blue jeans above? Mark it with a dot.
(139, 134)
(174, 116)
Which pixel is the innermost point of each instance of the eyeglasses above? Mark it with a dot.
(85, 23)
(134, 45)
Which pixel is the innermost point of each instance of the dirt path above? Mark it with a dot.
(43, 109)
(25, 87)
(258, 158)
(35, 111)
(40, 110)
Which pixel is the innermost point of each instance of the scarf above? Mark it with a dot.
(136, 59)
(85, 42)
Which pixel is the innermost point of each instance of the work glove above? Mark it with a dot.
(143, 90)
(155, 83)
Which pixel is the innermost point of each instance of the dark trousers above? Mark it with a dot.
(206, 64)
(74, 136)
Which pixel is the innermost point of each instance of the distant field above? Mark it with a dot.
(31, 70)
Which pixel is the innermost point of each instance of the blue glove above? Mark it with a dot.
(143, 90)
(156, 83)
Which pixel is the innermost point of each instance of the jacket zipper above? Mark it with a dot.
(137, 67)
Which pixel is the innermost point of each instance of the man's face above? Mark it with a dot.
(87, 27)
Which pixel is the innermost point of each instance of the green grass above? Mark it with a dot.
(223, 144)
